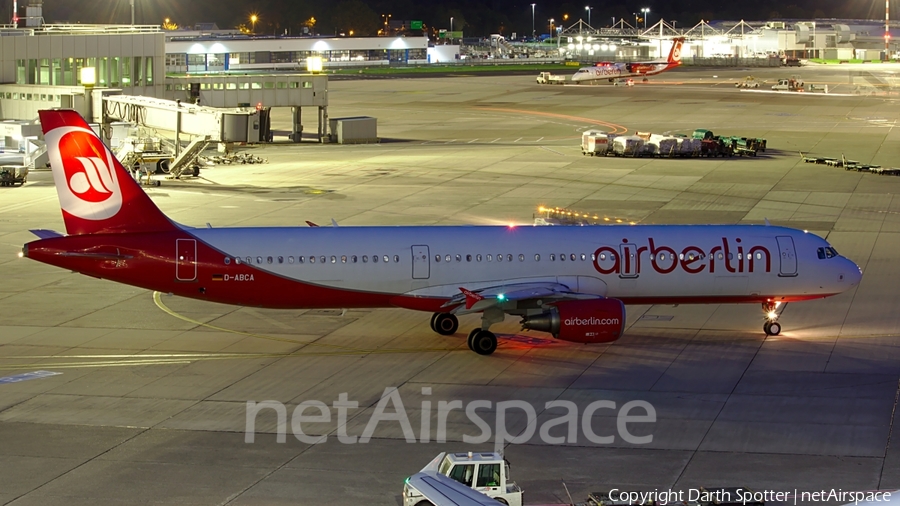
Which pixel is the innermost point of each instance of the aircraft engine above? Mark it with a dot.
(581, 321)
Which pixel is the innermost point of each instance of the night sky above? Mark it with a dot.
(474, 17)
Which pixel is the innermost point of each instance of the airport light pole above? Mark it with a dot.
(132, 12)
(887, 29)
(645, 11)
(533, 35)
(588, 9)
(551, 27)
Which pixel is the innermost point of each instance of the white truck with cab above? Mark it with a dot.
(485, 472)
(548, 78)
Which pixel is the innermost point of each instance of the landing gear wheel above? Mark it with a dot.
(472, 337)
(434, 317)
(445, 324)
(772, 328)
(484, 342)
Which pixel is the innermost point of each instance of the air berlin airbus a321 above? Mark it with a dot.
(571, 282)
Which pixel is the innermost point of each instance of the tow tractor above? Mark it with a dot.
(747, 82)
(486, 472)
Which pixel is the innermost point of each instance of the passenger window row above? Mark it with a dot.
(508, 257)
(312, 259)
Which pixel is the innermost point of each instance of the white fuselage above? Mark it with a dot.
(641, 263)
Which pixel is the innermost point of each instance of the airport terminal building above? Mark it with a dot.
(47, 65)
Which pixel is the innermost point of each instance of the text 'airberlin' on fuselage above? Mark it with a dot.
(629, 258)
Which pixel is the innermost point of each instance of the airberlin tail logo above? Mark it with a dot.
(84, 172)
(93, 182)
(676, 51)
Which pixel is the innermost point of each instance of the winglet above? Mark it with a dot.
(471, 297)
(311, 224)
(767, 222)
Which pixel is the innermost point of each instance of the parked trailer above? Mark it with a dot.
(13, 175)
(711, 148)
(742, 146)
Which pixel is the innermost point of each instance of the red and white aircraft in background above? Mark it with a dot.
(572, 282)
(613, 71)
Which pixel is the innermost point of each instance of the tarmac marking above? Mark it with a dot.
(157, 299)
(616, 129)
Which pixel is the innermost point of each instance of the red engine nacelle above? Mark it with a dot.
(581, 321)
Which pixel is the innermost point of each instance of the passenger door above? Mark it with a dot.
(421, 266)
(629, 261)
(787, 256)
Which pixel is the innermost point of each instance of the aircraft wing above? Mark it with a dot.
(444, 491)
(473, 301)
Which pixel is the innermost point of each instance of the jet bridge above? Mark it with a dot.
(212, 123)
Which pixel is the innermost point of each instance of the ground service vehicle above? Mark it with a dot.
(12, 175)
(792, 84)
(548, 78)
(748, 82)
(487, 473)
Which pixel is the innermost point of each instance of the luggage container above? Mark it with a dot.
(702, 133)
(627, 145)
(688, 147)
(594, 145)
(664, 145)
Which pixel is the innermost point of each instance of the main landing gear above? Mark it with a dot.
(770, 309)
(444, 324)
(481, 340)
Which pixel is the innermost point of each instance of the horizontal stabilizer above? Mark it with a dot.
(45, 234)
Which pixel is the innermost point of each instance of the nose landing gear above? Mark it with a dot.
(771, 311)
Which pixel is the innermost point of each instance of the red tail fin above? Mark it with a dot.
(675, 53)
(96, 193)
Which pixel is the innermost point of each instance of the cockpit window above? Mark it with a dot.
(828, 252)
